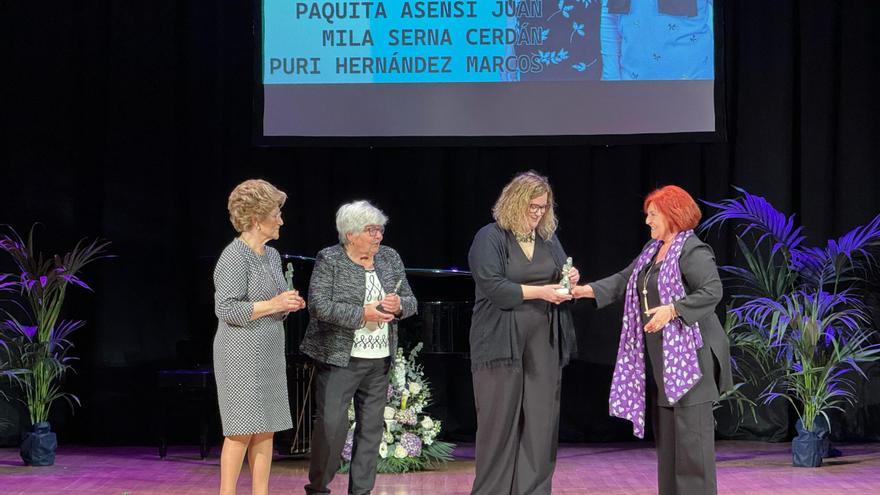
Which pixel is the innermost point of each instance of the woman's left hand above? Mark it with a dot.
(299, 303)
(573, 276)
(661, 316)
(391, 303)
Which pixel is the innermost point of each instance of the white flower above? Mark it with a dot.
(383, 450)
(388, 413)
(415, 387)
(400, 452)
(428, 423)
(400, 375)
(387, 437)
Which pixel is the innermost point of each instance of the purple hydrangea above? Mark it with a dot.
(390, 392)
(412, 443)
(346, 450)
(406, 417)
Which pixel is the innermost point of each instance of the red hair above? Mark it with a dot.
(676, 205)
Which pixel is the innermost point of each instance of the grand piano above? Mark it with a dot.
(445, 303)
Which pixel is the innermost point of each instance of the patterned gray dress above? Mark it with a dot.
(249, 363)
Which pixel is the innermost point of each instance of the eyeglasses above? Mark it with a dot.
(533, 208)
(374, 230)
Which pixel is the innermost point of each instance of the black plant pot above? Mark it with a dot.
(38, 446)
(808, 447)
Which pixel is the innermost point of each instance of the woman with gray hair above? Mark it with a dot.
(251, 299)
(357, 294)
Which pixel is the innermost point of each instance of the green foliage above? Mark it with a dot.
(37, 340)
(796, 318)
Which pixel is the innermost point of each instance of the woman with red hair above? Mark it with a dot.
(681, 361)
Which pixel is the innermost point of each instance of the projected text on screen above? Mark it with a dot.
(479, 41)
(446, 51)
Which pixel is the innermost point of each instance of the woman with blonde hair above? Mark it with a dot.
(251, 300)
(520, 339)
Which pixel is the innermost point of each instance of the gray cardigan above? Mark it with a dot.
(492, 338)
(703, 290)
(336, 302)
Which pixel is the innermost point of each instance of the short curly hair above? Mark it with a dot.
(254, 198)
(351, 218)
(677, 205)
(512, 206)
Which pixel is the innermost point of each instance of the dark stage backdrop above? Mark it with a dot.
(132, 121)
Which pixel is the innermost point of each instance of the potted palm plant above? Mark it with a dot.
(798, 312)
(36, 338)
(7, 372)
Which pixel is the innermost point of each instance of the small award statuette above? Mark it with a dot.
(564, 281)
(379, 308)
(288, 276)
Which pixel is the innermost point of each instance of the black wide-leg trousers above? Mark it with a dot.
(518, 419)
(365, 380)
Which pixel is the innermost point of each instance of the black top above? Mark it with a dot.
(705, 390)
(540, 270)
(491, 336)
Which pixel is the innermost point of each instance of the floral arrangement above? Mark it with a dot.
(409, 442)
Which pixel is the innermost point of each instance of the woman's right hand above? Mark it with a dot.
(371, 314)
(288, 301)
(546, 292)
(580, 291)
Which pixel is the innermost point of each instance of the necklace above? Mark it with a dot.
(530, 237)
(365, 261)
(645, 285)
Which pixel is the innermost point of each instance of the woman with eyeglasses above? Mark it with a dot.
(251, 299)
(357, 293)
(520, 338)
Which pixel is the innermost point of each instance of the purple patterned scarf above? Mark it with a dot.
(681, 370)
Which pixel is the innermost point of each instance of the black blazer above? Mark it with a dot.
(703, 290)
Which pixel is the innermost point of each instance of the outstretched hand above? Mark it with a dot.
(579, 291)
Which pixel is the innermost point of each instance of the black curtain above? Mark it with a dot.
(133, 121)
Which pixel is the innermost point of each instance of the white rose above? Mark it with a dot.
(428, 423)
(414, 388)
(383, 450)
(399, 451)
(387, 437)
(388, 413)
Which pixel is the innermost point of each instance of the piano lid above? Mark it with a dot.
(438, 273)
(424, 272)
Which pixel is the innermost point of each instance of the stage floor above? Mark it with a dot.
(743, 468)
